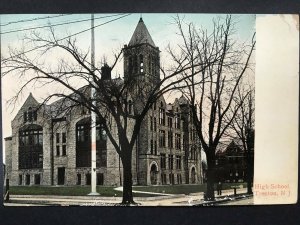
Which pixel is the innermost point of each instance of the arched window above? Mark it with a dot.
(31, 147)
(83, 144)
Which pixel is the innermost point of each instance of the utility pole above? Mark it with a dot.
(93, 115)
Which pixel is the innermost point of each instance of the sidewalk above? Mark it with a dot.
(194, 199)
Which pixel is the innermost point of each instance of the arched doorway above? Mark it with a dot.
(153, 174)
(193, 175)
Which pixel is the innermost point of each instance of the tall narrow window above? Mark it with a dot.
(161, 114)
(170, 139)
(162, 138)
(170, 162)
(30, 114)
(155, 125)
(178, 141)
(141, 64)
(163, 161)
(151, 123)
(64, 137)
(64, 150)
(25, 117)
(57, 138)
(151, 147)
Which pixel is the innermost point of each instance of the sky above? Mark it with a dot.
(109, 39)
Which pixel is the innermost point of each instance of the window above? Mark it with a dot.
(64, 150)
(57, 137)
(161, 114)
(171, 178)
(170, 162)
(20, 179)
(155, 147)
(177, 121)
(170, 139)
(164, 178)
(64, 137)
(31, 147)
(78, 179)
(162, 138)
(170, 122)
(177, 141)
(88, 179)
(100, 179)
(25, 117)
(37, 179)
(151, 147)
(151, 123)
(30, 115)
(179, 180)
(57, 150)
(83, 144)
(141, 64)
(27, 180)
(178, 162)
(163, 161)
(155, 127)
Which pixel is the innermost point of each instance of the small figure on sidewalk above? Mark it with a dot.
(219, 188)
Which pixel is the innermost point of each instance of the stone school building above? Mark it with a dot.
(57, 151)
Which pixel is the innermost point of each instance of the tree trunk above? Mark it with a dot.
(127, 180)
(210, 192)
(249, 178)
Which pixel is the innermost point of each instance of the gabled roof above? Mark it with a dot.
(141, 35)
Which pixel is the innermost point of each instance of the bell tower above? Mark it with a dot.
(141, 57)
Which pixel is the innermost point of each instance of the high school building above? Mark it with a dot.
(47, 150)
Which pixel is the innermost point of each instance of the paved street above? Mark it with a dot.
(166, 200)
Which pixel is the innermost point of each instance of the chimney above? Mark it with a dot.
(106, 72)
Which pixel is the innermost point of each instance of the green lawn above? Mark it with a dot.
(109, 191)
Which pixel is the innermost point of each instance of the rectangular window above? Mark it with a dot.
(178, 162)
(64, 137)
(170, 122)
(78, 182)
(151, 147)
(164, 178)
(27, 180)
(100, 178)
(64, 150)
(37, 179)
(177, 121)
(88, 179)
(163, 161)
(155, 147)
(151, 123)
(57, 150)
(161, 116)
(170, 139)
(170, 162)
(178, 141)
(57, 137)
(155, 127)
(25, 117)
(162, 138)
(20, 179)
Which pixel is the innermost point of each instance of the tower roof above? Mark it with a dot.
(141, 35)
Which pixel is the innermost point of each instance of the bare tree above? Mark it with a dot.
(211, 90)
(112, 98)
(243, 127)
